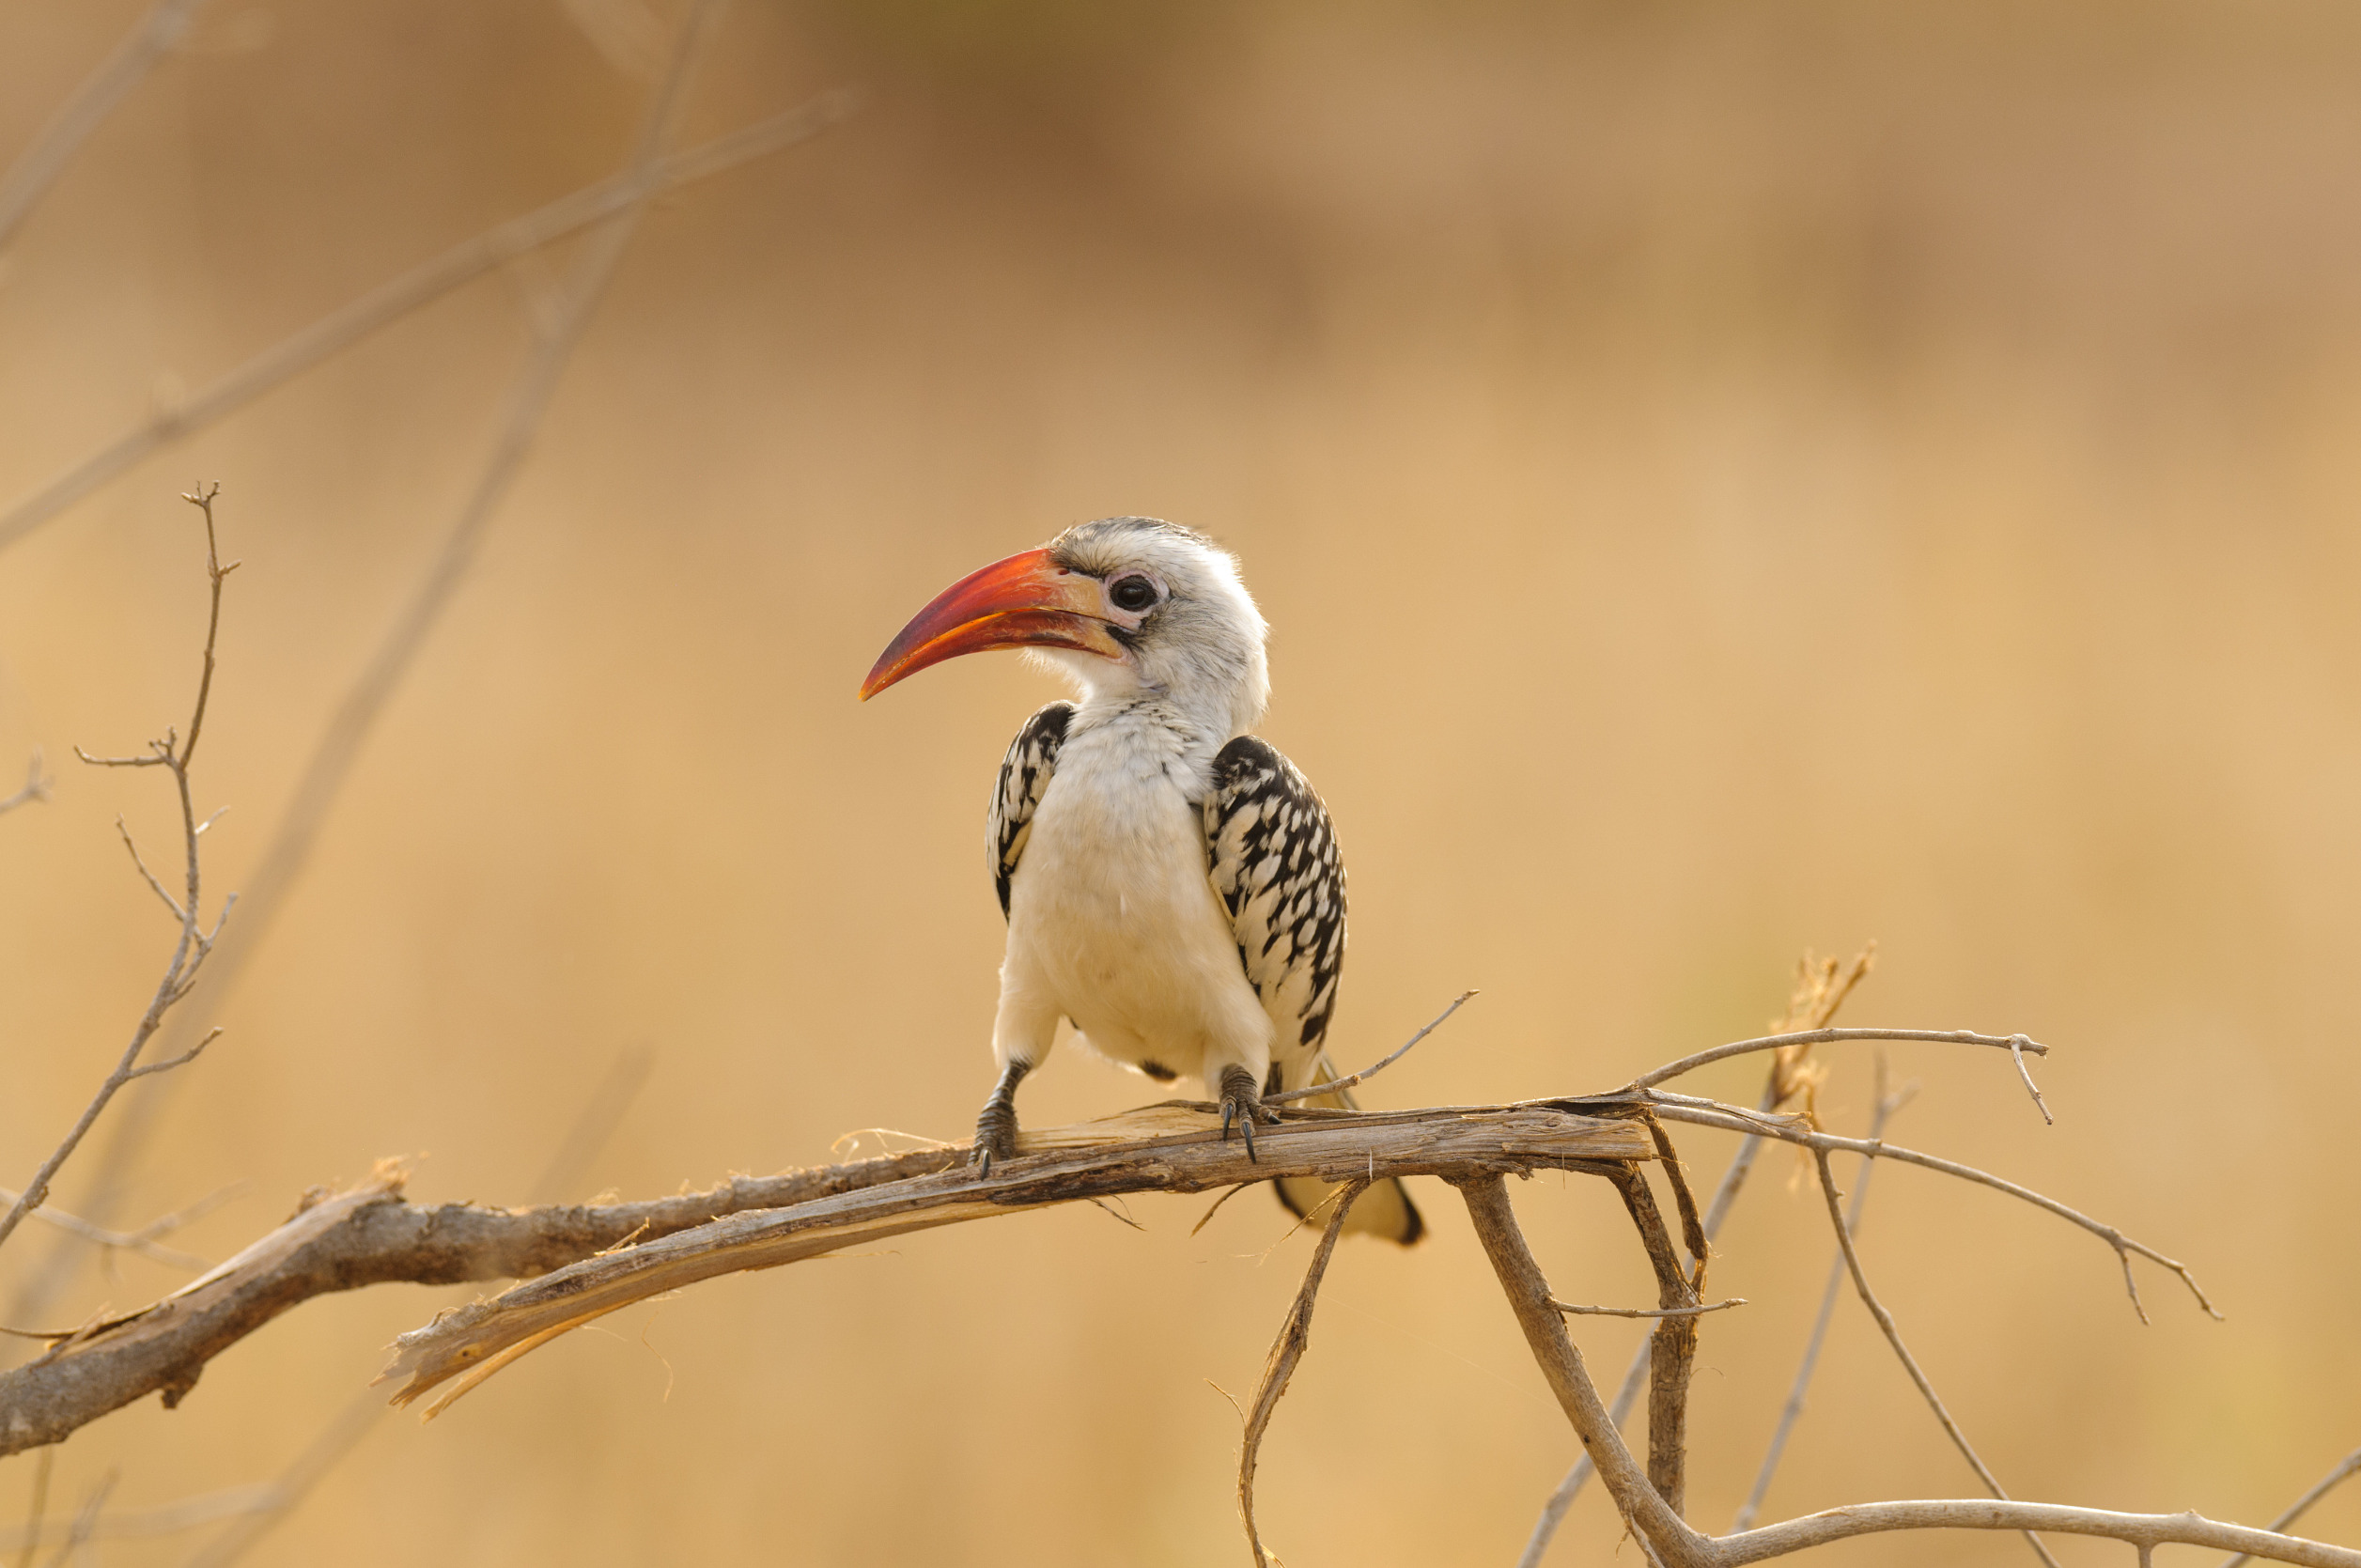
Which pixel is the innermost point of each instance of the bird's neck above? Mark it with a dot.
(1185, 739)
(1188, 719)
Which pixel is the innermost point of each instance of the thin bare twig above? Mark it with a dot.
(36, 786)
(1887, 1105)
(2016, 1049)
(1647, 1311)
(38, 167)
(2013, 1043)
(1335, 1085)
(1295, 1337)
(1708, 1113)
(196, 943)
(1902, 1352)
(389, 301)
(2345, 1467)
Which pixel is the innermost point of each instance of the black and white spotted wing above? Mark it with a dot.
(1032, 758)
(1276, 865)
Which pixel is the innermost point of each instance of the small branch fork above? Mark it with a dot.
(173, 754)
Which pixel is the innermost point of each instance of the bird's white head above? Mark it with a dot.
(1124, 607)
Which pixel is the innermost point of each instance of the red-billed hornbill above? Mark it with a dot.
(1172, 883)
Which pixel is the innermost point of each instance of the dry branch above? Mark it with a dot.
(2016, 1045)
(1295, 1338)
(1672, 1352)
(1648, 1514)
(173, 754)
(1171, 1148)
(368, 1235)
(1333, 1085)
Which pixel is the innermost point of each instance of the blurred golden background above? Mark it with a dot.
(1723, 481)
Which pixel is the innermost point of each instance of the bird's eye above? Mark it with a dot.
(1134, 594)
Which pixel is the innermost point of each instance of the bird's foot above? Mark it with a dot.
(1242, 1102)
(995, 1134)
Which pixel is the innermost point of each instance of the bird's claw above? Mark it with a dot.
(995, 1135)
(1243, 1103)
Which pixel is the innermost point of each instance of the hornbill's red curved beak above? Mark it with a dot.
(1026, 601)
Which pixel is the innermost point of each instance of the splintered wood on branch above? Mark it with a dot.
(585, 1261)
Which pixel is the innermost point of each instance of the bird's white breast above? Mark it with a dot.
(1113, 913)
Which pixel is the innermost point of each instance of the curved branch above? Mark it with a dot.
(1168, 1148)
(2012, 1043)
(1295, 1338)
(368, 1235)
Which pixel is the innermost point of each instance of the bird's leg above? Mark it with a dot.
(996, 1124)
(1242, 1102)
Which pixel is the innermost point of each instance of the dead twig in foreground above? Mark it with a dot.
(173, 754)
(1295, 1338)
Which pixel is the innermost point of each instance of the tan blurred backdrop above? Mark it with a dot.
(1722, 481)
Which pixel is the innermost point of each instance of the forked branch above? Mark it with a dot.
(173, 754)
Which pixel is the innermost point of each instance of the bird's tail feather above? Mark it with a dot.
(1385, 1210)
